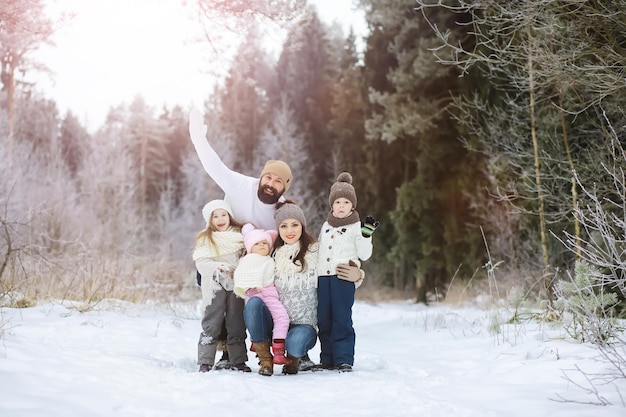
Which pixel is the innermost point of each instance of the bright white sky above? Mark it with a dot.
(113, 50)
(127, 360)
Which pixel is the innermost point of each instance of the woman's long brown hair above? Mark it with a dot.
(305, 240)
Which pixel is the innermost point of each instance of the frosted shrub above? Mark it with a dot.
(586, 306)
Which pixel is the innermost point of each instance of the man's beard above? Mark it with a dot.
(268, 198)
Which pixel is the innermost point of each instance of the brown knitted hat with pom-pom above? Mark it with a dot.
(343, 188)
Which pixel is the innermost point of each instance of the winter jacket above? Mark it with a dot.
(253, 271)
(254, 277)
(217, 270)
(339, 245)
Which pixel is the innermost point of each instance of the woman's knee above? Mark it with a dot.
(253, 307)
(258, 320)
(300, 340)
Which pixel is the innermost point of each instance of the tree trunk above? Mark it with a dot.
(420, 288)
(143, 182)
(570, 160)
(11, 109)
(533, 132)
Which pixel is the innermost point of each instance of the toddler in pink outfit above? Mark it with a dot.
(254, 277)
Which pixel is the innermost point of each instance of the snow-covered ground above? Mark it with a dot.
(122, 359)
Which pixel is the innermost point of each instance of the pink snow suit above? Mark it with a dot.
(254, 277)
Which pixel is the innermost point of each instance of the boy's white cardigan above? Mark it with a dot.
(339, 245)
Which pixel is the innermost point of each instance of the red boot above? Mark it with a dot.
(278, 349)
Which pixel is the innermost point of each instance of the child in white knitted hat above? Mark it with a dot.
(216, 253)
(254, 277)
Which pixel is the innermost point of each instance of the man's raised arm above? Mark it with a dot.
(210, 160)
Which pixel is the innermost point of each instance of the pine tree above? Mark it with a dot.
(177, 144)
(432, 214)
(147, 137)
(282, 139)
(244, 99)
(109, 184)
(36, 121)
(23, 29)
(553, 72)
(73, 137)
(347, 125)
(304, 72)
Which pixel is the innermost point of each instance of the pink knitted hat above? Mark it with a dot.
(252, 235)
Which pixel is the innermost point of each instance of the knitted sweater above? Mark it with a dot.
(217, 270)
(339, 245)
(297, 289)
(253, 271)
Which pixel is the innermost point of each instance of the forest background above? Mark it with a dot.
(485, 136)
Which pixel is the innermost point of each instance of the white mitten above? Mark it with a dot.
(197, 128)
(224, 276)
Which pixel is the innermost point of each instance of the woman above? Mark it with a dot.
(295, 278)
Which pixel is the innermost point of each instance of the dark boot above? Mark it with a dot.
(266, 363)
(292, 365)
(306, 364)
(242, 367)
(344, 367)
(223, 363)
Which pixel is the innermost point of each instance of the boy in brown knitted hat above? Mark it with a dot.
(343, 240)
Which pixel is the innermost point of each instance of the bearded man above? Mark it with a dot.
(252, 199)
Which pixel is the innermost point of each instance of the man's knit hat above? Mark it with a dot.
(279, 168)
(289, 210)
(213, 205)
(343, 188)
(252, 235)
